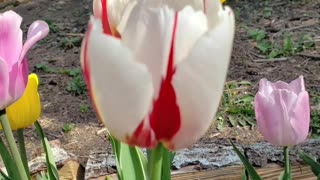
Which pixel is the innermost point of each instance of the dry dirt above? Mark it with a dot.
(69, 19)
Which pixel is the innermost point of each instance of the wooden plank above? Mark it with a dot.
(271, 172)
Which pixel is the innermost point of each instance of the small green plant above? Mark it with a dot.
(68, 127)
(69, 43)
(52, 26)
(84, 108)
(236, 107)
(77, 86)
(44, 68)
(287, 47)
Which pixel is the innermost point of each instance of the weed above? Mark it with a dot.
(44, 68)
(77, 86)
(52, 26)
(69, 43)
(68, 127)
(275, 50)
(236, 106)
(84, 108)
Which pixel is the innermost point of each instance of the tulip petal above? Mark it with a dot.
(28, 106)
(199, 80)
(10, 37)
(300, 115)
(213, 9)
(18, 79)
(97, 8)
(282, 85)
(150, 40)
(266, 87)
(273, 119)
(4, 83)
(121, 88)
(191, 26)
(297, 85)
(37, 31)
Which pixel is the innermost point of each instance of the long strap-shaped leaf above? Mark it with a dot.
(132, 163)
(51, 165)
(8, 161)
(315, 166)
(251, 171)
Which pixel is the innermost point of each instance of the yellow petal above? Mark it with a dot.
(27, 109)
(222, 1)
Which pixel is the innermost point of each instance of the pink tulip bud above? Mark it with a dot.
(13, 62)
(283, 111)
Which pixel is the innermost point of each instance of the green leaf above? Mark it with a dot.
(264, 47)
(244, 175)
(315, 166)
(116, 146)
(132, 164)
(3, 176)
(51, 165)
(168, 157)
(8, 161)
(281, 176)
(251, 171)
(288, 44)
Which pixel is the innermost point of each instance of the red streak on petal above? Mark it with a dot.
(105, 20)
(142, 137)
(165, 118)
(86, 69)
(204, 6)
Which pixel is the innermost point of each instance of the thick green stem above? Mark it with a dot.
(23, 151)
(12, 145)
(156, 163)
(287, 170)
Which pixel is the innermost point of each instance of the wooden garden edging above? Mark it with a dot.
(271, 172)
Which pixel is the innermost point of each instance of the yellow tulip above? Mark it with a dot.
(27, 109)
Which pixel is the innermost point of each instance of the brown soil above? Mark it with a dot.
(70, 19)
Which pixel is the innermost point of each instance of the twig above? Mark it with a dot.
(271, 60)
(313, 56)
(72, 34)
(295, 28)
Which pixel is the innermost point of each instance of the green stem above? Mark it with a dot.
(287, 170)
(12, 145)
(156, 163)
(23, 151)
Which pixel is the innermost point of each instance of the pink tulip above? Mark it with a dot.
(163, 79)
(13, 62)
(283, 111)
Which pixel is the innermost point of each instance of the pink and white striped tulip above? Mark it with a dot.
(163, 79)
(13, 62)
(283, 111)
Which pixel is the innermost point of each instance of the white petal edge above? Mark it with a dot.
(199, 80)
(122, 89)
(191, 26)
(148, 35)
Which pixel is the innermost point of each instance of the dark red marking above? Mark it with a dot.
(165, 120)
(105, 20)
